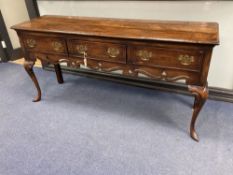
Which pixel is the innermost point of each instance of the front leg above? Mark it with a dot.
(28, 65)
(201, 94)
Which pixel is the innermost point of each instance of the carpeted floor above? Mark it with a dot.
(95, 127)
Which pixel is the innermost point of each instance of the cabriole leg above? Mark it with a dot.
(201, 94)
(28, 65)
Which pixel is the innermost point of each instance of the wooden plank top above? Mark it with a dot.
(177, 31)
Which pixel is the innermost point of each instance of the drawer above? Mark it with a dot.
(97, 50)
(166, 57)
(44, 44)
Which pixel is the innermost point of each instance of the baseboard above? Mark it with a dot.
(219, 94)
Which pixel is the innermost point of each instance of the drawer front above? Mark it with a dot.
(35, 43)
(97, 50)
(165, 57)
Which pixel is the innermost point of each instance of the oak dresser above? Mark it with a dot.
(155, 50)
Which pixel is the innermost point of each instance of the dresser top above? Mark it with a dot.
(177, 31)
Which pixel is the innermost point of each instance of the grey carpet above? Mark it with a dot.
(95, 127)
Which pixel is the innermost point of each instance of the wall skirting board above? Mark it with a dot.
(215, 93)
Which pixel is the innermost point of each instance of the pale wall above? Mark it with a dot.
(221, 69)
(13, 12)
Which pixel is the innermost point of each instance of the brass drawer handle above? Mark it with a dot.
(185, 59)
(113, 52)
(31, 43)
(82, 49)
(57, 46)
(144, 55)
